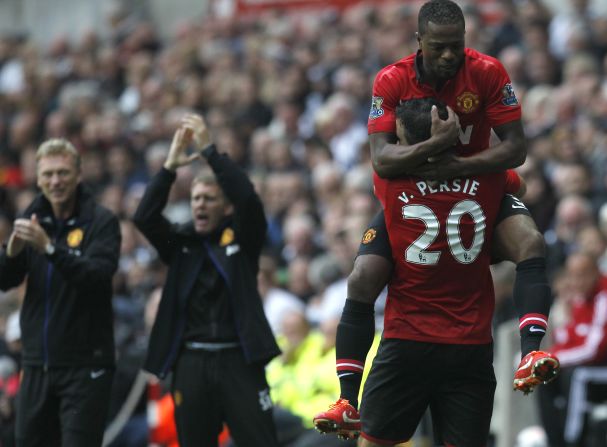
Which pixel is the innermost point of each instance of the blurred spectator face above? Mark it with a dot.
(590, 240)
(295, 328)
(93, 167)
(541, 68)
(209, 206)
(281, 189)
(155, 157)
(327, 182)
(260, 143)
(513, 60)
(119, 163)
(582, 274)
(572, 179)
(299, 234)
(279, 155)
(297, 281)
(23, 129)
(572, 214)
(565, 147)
(56, 124)
(111, 198)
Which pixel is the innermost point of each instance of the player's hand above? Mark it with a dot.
(446, 132)
(30, 232)
(200, 133)
(177, 156)
(441, 167)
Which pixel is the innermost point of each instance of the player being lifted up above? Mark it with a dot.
(479, 92)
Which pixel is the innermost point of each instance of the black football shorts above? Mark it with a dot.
(456, 382)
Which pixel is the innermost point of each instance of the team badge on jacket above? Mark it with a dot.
(376, 109)
(227, 237)
(467, 102)
(74, 238)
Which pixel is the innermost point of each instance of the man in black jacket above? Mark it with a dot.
(211, 330)
(68, 247)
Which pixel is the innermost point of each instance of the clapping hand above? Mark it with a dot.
(27, 231)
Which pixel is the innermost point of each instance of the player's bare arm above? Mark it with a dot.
(391, 160)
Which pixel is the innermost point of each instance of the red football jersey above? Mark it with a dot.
(481, 94)
(441, 289)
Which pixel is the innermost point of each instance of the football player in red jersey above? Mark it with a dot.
(481, 98)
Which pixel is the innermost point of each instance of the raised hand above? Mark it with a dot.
(177, 156)
(200, 133)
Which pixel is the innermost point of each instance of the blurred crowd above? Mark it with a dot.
(287, 95)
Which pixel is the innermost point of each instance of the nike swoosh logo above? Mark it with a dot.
(536, 329)
(97, 374)
(349, 420)
(526, 365)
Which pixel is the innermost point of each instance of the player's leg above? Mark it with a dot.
(356, 329)
(517, 239)
(85, 401)
(37, 423)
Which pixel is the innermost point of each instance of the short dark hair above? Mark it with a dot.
(441, 12)
(416, 118)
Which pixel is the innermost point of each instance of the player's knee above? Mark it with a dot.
(532, 245)
(517, 239)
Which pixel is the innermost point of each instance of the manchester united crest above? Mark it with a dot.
(74, 238)
(227, 237)
(468, 102)
(369, 236)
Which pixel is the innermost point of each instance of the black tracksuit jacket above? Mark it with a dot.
(66, 317)
(183, 250)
